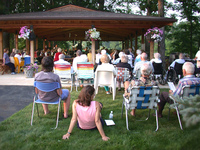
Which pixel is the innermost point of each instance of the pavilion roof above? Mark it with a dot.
(70, 22)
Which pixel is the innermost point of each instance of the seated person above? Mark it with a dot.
(6, 61)
(18, 55)
(56, 58)
(87, 112)
(144, 80)
(157, 64)
(118, 60)
(156, 58)
(89, 56)
(124, 64)
(189, 79)
(138, 57)
(106, 66)
(181, 60)
(130, 58)
(46, 75)
(140, 63)
(61, 60)
(78, 58)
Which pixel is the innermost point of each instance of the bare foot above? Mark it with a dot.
(47, 112)
(132, 113)
(65, 116)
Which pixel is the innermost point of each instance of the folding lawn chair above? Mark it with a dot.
(141, 97)
(45, 87)
(185, 92)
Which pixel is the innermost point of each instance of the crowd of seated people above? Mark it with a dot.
(86, 111)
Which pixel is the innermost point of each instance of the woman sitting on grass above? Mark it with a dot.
(87, 112)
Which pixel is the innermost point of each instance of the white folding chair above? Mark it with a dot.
(45, 87)
(141, 97)
(105, 78)
(185, 92)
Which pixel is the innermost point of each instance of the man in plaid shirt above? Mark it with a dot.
(188, 79)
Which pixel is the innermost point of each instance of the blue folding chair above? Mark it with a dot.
(141, 97)
(185, 92)
(46, 87)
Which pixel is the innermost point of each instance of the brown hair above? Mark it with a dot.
(85, 96)
(47, 64)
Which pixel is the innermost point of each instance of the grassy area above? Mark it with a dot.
(16, 132)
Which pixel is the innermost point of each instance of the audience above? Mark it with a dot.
(61, 60)
(6, 61)
(156, 58)
(124, 64)
(181, 60)
(130, 59)
(140, 63)
(18, 55)
(144, 80)
(77, 59)
(189, 79)
(137, 58)
(87, 112)
(106, 66)
(56, 58)
(46, 75)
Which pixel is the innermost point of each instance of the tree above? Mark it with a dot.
(188, 10)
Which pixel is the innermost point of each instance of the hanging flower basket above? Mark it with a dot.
(92, 35)
(154, 34)
(24, 32)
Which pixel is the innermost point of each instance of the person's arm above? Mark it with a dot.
(98, 123)
(73, 121)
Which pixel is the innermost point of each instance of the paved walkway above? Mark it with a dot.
(16, 92)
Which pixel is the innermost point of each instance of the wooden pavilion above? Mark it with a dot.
(70, 22)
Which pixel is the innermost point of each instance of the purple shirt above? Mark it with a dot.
(6, 57)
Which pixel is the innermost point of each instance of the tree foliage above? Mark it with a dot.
(185, 36)
(189, 109)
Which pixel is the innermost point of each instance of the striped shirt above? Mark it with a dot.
(187, 80)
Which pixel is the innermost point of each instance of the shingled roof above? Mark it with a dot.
(76, 20)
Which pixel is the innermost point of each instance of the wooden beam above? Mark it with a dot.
(1, 44)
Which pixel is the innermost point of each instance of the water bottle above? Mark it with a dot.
(111, 115)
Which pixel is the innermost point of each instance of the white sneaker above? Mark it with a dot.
(13, 73)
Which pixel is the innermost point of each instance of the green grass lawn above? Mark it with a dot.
(16, 133)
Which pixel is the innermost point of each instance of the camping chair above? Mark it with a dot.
(45, 87)
(141, 97)
(185, 92)
(17, 64)
(85, 72)
(105, 78)
(122, 74)
(64, 72)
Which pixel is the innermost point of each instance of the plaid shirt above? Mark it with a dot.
(187, 80)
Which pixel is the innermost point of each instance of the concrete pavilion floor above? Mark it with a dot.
(16, 92)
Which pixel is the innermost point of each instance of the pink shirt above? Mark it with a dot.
(86, 115)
